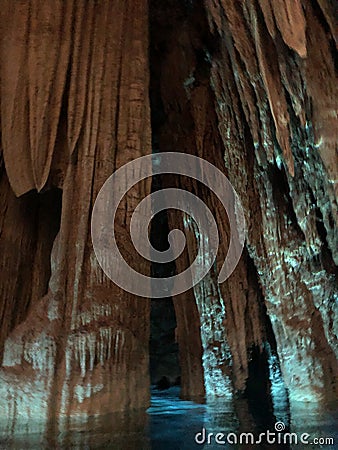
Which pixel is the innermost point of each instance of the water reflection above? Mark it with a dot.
(113, 431)
(171, 424)
(174, 423)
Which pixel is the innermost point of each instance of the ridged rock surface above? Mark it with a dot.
(249, 86)
(245, 94)
(74, 107)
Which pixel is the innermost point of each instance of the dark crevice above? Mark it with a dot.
(282, 197)
(263, 365)
(326, 254)
(42, 213)
(163, 349)
(39, 215)
(180, 29)
(317, 10)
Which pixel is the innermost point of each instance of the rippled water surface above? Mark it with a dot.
(171, 423)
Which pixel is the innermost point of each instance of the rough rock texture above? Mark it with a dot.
(272, 87)
(74, 107)
(288, 167)
(230, 317)
(248, 86)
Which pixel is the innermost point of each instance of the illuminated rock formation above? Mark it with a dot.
(246, 95)
(248, 86)
(74, 106)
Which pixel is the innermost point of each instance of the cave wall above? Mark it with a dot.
(247, 86)
(283, 94)
(74, 107)
(231, 318)
(244, 85)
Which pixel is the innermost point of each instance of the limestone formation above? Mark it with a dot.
(87, 86)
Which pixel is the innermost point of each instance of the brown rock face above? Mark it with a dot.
(248, 86)
(74, 107)
(292, 235)
(241, 96)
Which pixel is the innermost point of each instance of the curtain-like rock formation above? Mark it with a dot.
(248, 86)
(74, 107)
